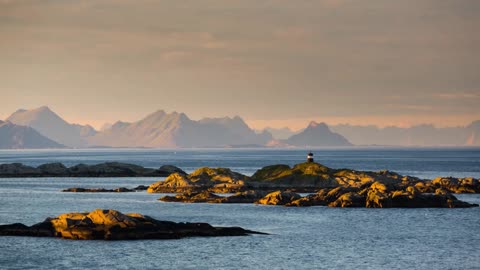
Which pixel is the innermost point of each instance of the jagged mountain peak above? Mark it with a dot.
(316, 125)
(317, 134)
(52, 126)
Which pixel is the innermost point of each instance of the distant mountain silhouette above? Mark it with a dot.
(21, 137)
(420, 135)
(50, 125)
(161, 129)
(280, 133)
(317, 134)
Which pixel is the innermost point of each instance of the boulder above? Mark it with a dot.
(113, 225)
(279, 198)
(175, 182)
(350, 199)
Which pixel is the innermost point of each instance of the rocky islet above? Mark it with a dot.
(108, 224)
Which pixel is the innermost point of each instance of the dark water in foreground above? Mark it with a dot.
(301, 238)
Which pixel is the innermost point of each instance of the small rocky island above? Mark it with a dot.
(107, 169)
(113, 225)
(280, 185)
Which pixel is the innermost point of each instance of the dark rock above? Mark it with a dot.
(249, 196)
(108, 169)
(171, 169)
(192, 197)
(18, 170)
(113, 225)
(53, 169)
(76, 189)
(141, 188)
(350, 199)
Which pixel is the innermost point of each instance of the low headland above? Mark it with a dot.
(107, 169)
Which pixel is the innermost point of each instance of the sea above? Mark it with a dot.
(299, 238)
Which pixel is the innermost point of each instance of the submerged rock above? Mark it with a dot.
(113, 225)
(100, 190)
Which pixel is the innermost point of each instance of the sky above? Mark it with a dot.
(274, 62)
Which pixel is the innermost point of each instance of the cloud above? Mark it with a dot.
(463, 95)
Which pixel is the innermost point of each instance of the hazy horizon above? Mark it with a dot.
(294, 125)
(275, 63)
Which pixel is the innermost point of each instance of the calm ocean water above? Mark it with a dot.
(301, 238)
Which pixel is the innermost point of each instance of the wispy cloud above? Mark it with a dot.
(463, 95)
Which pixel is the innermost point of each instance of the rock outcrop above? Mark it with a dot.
(379, 195)
(107, 169)
(306, 177)
(249, 196)
(376, 195)
(220, 180)
(279, 198)
(113, 225)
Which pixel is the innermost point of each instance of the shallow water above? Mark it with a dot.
(301, 238)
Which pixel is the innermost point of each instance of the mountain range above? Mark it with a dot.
(43, 128)
(161, 129)
(420, 135)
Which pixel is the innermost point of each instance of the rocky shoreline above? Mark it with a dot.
(107, 169)
(280, 185)
(112, 225)
(273, 185)
(308, 177)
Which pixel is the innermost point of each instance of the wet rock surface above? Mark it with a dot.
(112, 225)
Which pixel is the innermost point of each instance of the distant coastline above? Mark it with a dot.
(42, 128)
